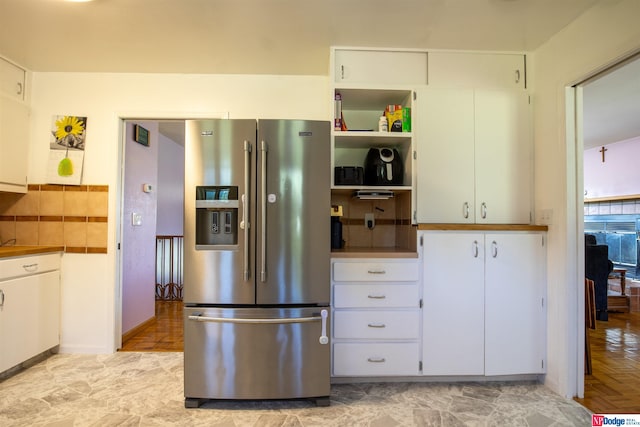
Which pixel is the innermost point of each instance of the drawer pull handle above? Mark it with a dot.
(30, 267)
(1, 298)
(376, 359)
(376, 296)
(377, 325)
(376, 272)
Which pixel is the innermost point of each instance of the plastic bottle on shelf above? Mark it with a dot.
(383, 126)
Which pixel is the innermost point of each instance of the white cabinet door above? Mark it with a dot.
(453, 311)
(14, 139)
(477, 70)
(29, 317)
(379, 67)
(445, 156)
(12, 79)
(474, 157)
(514, 314)
(503, 157)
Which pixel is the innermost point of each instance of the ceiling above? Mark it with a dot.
(262, 36)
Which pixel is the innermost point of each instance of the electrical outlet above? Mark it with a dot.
(369, 221)
(546, 216)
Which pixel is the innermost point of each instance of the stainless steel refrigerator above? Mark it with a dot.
(256, 260)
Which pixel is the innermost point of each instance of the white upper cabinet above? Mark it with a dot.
(14, 128)
(12, 80)
(380, 67)
(468, 69)
(473, 156)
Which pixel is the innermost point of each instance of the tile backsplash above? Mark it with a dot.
(392, 221)
(73, 216)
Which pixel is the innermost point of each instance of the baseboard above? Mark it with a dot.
(136, 329)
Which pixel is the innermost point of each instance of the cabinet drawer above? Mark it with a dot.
(12, 80)
(376, 324)
(28, 265)
(375, 271)
(375, 359)
(368, 295)
(380, 67)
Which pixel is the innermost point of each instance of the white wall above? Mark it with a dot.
(618, 175)
(170, 188)
(90, 291)
(601, 35)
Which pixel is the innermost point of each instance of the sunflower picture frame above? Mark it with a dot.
(66, 149)
(141, 135)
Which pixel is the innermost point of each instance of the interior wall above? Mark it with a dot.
(139, 241)
(90, 283)
(617, 175)
(599, 37)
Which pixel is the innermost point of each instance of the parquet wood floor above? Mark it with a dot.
(614, 385)
(612, 388)
(163, 334)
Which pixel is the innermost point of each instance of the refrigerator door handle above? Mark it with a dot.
(263, 218)
(200, 318)
(244, 224)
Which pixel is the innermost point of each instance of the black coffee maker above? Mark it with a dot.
(383, 166)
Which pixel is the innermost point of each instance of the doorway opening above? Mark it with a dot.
(152, 185)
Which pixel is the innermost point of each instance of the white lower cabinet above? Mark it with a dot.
(29, 307)
(484, 303)
(376, 317)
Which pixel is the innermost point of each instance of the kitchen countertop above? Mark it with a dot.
(483, 227)
(10, 251)
(373, 253)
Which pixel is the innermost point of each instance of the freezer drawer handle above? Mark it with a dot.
(376, 359)
(200, 318)
(324, 339)
(376, 296)
(376, 272)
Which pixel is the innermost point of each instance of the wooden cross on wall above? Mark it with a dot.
(602, 150)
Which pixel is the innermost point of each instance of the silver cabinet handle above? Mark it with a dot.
(1, 298)
(244, 224)
(517, 76)
(377, 325)
(376, 359)
(483, 210)
(200, 318)
(376, 272)
(263, 219)
(376, 296)
(494, 249)
(474, 249)
(465, 210)
(19, 88)
(342, 72)
(30, 267)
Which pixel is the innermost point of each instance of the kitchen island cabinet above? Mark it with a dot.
(29, 306)
(484, 303)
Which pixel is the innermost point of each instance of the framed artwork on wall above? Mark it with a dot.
(141, 135)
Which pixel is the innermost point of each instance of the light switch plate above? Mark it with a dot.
(136, 218)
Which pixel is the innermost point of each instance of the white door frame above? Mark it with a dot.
(122, 118)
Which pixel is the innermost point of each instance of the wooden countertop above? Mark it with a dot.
(373, 253)
(483, 227)
(10, 251)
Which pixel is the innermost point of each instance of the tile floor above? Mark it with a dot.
(145, 389)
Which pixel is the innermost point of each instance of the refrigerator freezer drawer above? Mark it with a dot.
(256, 353)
